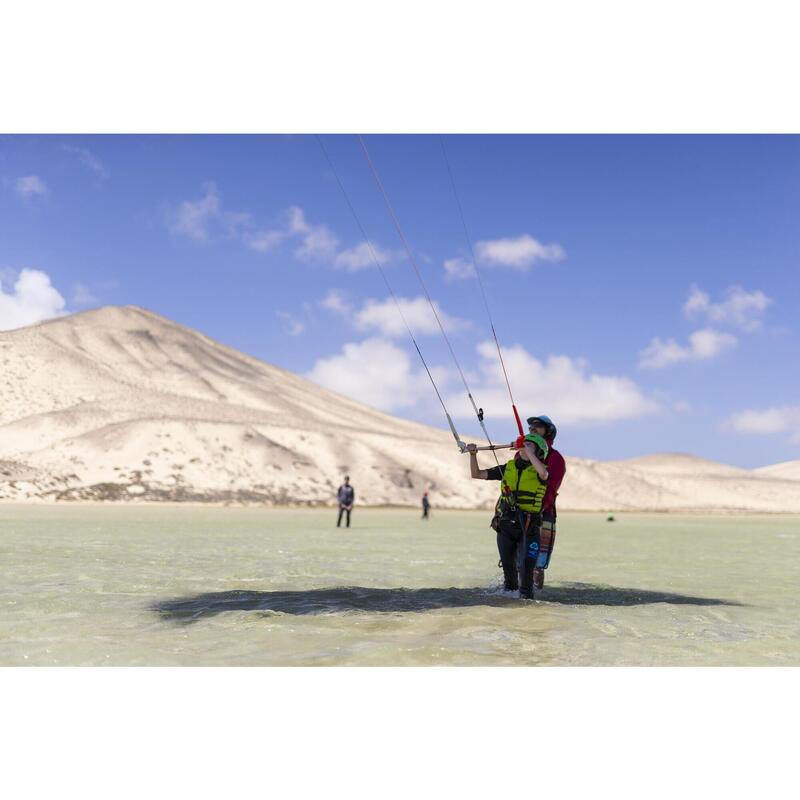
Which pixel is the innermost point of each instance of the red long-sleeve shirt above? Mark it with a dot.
(556, 469)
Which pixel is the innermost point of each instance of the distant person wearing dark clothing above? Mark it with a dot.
(426, 506)
(346, 496)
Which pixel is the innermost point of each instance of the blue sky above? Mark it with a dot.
(645, 288)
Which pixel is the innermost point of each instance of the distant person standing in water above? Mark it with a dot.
(346, 496)
(426, 506)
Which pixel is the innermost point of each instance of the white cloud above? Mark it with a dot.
(335, 301)
(192, 218)
(88, 159)
(296, 220)
(458, 269)
(560, 386)
(361, 257)
(697, 302)
(703, 345)
(378, 372)
(199, 219)
(383, 316)
(769, 420)
(264, 241)
(519, 253)
(293, 326)
(82, 296)
(709, 343)
(740, 308)
(33, 299)
(316, 242)
(30, 186)
(375, 372)
(356, 258)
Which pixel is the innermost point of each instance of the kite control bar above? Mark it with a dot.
(492, 447)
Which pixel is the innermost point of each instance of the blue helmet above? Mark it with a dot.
(549, 425)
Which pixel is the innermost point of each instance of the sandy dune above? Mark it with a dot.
(788, 470)
(121, 404)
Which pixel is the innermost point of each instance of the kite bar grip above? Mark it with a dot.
(492, 447)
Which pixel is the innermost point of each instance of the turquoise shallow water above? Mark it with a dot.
(225, 586)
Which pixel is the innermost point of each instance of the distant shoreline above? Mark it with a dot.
(687, 512)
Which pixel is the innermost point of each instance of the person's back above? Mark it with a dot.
(346, 496)
(557, 469)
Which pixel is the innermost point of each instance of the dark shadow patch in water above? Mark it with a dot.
(593, 594)
(342, 600)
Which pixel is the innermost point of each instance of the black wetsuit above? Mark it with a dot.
(516, 530)
(346, 495)
(425, 507)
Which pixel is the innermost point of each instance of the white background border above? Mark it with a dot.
(399, 732)
(400, 67)
(411, 66)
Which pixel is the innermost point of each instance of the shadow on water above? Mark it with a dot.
(357, 598)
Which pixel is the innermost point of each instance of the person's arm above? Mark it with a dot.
(540, 468)
(474, 470)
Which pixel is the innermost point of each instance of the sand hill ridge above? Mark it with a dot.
(121, 404)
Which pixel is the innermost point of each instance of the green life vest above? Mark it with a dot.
(523, 489)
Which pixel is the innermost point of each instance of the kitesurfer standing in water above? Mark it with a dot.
(544, 427)
(518, 516)
(346, 496)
